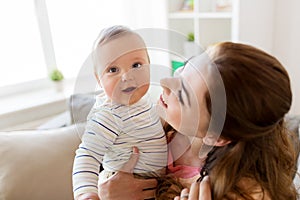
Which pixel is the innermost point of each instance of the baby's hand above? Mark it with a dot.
(88, 196)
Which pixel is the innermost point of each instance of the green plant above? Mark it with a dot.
(56, 75)
(190, 37)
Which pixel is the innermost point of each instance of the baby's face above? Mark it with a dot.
(125, 79)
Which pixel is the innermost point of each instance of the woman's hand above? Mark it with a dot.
(123, 185)
(88, 196)
(198, 191)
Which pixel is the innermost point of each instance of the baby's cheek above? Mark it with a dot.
(142, 80)
(110, 88)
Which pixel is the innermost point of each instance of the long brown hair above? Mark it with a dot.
(258, 97)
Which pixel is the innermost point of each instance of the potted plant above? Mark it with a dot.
(191, 37)
(188, 5)
(190, 48)
(56, 76)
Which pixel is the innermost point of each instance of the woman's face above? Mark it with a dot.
(182, 103)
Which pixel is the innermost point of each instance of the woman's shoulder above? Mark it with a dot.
(253, 187)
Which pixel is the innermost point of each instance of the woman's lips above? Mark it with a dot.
(162, 101)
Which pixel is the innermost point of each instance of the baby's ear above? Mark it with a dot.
(98, 79)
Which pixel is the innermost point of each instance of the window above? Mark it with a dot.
(75, 26)
(39, 35)
(21, 52)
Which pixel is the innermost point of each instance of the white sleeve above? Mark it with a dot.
(100, 133)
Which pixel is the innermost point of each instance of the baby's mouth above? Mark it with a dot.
(129, 89)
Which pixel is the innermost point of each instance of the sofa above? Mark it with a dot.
(37, 164)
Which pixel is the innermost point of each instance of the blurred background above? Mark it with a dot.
(44, 43)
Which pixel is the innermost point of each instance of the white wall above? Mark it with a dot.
(145, 13)
(286, 44)
(274, 26)
(255, 24)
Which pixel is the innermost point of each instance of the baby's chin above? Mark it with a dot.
(131, 99)
(139, 94)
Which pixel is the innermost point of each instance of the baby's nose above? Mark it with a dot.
(127, 76)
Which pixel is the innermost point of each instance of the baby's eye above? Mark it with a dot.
(136, 65)
(112, 70)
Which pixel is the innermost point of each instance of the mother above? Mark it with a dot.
(254, 157)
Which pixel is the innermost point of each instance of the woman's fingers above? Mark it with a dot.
(123, 185)
(184, 195)
(147, 183)
(148, 194)
(198, 191)
(88, 196)
(205, 191)
(194, 192)
(131, 163)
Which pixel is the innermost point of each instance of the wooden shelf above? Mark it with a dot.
(181, 15)
(200, 15)
(208, 24)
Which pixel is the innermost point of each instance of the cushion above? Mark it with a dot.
(37, 164)
(80, 106)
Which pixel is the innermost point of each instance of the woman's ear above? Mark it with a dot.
(222, 142)
(215, 141)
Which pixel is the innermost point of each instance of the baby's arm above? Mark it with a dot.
(89, 155)
(86, 167)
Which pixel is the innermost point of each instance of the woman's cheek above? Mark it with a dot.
(174, 118)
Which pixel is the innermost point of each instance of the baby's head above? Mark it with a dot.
(121, 64)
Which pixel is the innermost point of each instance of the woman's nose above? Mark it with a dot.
(165, 84)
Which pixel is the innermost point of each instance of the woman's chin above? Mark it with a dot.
(162, 103)
(161, 111)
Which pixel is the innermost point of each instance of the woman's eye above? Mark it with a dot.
(136, 65)
(112, 70)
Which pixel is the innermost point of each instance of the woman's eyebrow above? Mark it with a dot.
(180, 97)
(186, 92)
(185, 62)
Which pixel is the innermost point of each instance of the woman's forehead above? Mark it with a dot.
(191, 74)
(198, 64)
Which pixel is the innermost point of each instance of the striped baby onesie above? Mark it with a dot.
(111, 132)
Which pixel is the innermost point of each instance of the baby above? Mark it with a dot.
(123, 119)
